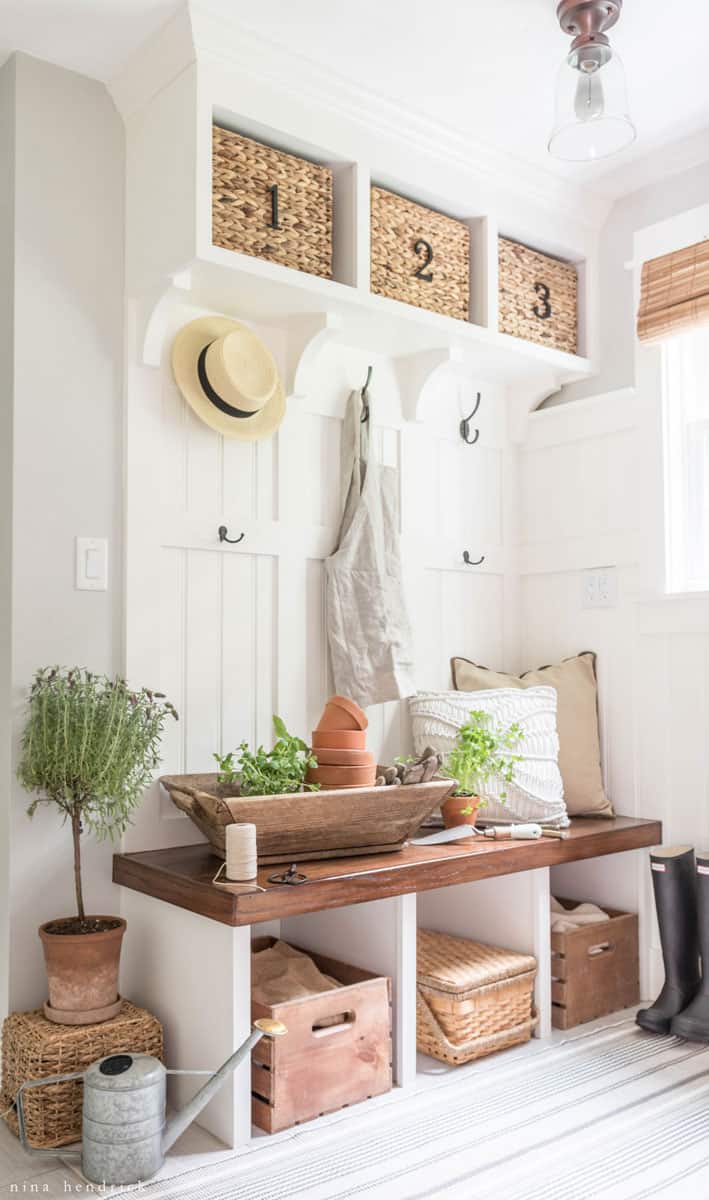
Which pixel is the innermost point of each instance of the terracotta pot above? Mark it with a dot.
(329, 777)
(452, 810)
(342, 713)
(339, 739)
(82, 972)
(343, 758)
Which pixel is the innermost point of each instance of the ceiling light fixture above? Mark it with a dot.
(592, 119)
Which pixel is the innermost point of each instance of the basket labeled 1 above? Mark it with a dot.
(90, 748)
(484, 750)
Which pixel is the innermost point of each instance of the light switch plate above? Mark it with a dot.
(91, 564)
(600, 588)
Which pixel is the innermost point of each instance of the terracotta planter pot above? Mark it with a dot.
(453, 814)
(343, 777)
(343, 758)
(339, 739)
(342, 713)
(82, 973)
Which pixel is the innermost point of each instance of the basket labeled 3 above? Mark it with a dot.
(471, 999)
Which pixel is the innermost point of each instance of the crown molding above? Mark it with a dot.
(221, 39)
(202, 33)
(160, 59)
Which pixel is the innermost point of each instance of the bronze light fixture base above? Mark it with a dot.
(586, 21)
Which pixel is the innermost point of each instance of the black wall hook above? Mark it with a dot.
(222, 531)
(365, 398)
(465, 425)
(472, 562)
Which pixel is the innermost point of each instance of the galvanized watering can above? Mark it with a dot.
(125, 1132)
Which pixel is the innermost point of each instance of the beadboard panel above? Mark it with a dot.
(233, 634)
(582, 495)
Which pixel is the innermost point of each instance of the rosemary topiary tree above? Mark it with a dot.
(90, 746)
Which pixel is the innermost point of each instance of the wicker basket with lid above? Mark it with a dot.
(471, 999)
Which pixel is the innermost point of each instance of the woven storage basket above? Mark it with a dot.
(402, 268)
(292, 226)
(33, 1047)
(537, 297)
(471, 999)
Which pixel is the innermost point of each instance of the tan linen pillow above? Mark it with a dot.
(576, 718)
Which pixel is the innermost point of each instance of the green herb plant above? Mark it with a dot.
(273, 772)
(228, 771)
(90, 746)
(483, 751)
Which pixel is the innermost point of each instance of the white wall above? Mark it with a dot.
(235, 634)
(589, 474)
(7, 286)
(67, 411)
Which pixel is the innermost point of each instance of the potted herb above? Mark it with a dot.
(267, 772)
(483, 751)
(90, 748)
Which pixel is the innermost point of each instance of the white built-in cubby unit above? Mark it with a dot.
(170, 249)
(195, 972)
(235, 633)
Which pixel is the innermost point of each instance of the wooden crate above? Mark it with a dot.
(537, 296)
(319, 1068)
(419, 256)
(308, 825)
(472, 999)
(271, 204)
(595, 969)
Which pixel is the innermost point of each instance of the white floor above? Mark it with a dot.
(448, 1154)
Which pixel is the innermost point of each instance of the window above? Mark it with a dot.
(685, 393)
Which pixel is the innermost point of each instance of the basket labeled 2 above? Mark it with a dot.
(338, 1048)
(471, 999)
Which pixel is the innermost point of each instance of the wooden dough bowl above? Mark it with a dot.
(309, 825)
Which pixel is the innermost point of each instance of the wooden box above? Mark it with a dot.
(271, 204)
(310, 825)
(33, 1047)
(318, 1067)
(419, 256)
(537, 297)
(472, 999)
(595, 969)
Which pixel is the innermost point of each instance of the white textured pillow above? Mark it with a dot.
(536, 792)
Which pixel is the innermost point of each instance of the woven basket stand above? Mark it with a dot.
(33, 1048)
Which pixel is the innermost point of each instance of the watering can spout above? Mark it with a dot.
(179, 1123)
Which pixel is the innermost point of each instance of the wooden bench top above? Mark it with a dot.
(183, 875)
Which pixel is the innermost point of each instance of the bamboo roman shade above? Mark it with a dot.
(674, 292)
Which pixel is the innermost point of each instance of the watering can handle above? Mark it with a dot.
(33, 1083)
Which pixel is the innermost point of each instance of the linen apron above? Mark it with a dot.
(369, 632)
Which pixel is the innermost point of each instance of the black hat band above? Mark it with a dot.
(210, 393)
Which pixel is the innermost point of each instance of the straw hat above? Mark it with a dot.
(228, 377)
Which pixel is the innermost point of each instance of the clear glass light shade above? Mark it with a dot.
(592, 119)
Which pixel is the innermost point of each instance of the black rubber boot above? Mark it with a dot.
(674, 884)
(693, 1022)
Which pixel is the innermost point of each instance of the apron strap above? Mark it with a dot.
(354, 455)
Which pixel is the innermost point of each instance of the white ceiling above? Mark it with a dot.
(483, 67)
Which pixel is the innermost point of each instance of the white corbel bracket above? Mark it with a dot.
(523, 399)
(416, 371)
(307, 335)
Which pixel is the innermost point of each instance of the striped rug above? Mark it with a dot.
(618, 1114)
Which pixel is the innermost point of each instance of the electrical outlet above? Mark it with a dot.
(600, 588)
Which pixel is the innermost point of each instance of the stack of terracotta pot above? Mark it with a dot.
(339, 745)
